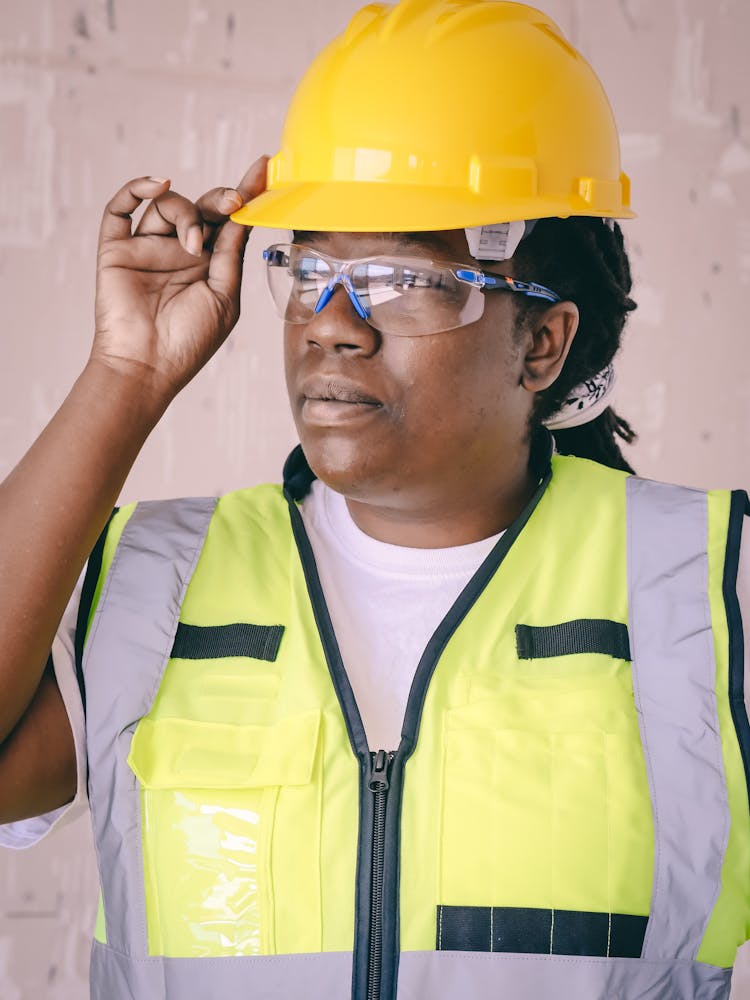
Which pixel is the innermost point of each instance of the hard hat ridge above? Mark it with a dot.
(362, 21)
(400, 17)
(474, 14)
(441, 17)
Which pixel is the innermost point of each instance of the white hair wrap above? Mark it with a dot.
(586, 402)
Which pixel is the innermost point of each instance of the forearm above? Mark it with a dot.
(38, 759)
(53, 506)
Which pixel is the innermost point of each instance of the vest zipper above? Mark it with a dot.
(373, 970)
(380, 764)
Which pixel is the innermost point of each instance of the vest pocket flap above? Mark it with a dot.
(177, 753)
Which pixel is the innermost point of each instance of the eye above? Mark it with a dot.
(305, 269)
(406, 278)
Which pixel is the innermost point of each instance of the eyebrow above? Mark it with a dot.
(418, 240)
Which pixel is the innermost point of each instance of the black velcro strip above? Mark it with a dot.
(211, 642)
(627, 932)
(464, 928)
(739, 510)
(524, 930)
(585, 635)
(518, 929)
(90, 580)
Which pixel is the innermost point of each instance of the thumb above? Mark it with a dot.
(225, 267)
(254, 181)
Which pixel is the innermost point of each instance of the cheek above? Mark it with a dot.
(456, 388)
(290, 350)
(294, 359)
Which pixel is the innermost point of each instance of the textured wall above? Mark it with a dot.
(93, 92)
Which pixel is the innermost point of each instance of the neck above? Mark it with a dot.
(444, 522)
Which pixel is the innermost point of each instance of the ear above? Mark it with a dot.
(551, 337)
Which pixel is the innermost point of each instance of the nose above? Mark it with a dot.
(339, 326)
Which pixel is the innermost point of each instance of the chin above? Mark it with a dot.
(349, 467)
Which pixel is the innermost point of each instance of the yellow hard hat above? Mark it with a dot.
(443, 114)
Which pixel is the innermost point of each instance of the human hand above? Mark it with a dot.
(168, 294)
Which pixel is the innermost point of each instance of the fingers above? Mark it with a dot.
(168, 213)
(217, 205)
(116, 221)
(173, 213)
(196, 225)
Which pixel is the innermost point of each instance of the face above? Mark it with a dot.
(408, 422)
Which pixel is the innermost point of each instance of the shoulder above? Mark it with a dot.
(582, 473)
(187, 512)
(170, 526)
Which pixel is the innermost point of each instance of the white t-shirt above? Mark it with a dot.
(385, 602)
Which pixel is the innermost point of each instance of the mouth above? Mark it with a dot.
(333, 391)
(333, 401)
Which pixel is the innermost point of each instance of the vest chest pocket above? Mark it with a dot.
(230, 834)
(542, 810)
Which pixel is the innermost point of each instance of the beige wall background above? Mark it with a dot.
(93, 92)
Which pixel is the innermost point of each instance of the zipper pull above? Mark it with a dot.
(381, 762)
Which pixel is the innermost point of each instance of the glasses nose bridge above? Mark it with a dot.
(341, 276)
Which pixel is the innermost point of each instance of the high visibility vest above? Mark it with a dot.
(566, 814)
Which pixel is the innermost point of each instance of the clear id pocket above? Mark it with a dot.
(231, 835)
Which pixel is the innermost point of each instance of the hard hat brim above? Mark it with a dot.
(367, 207)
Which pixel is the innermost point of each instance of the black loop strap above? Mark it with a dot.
(211, 642)
(585, 635)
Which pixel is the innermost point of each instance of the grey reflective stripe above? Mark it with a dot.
(445, 975)
(674, 679)
(323, 976)
(125, 657)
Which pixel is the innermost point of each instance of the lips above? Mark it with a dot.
(336, 390)
(328, 401)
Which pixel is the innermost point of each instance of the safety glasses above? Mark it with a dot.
(402, 296)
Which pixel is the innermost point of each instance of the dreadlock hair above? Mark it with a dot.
(585, 262)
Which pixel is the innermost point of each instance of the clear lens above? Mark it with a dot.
(296, 277)
(410, 298)
(406, 297)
